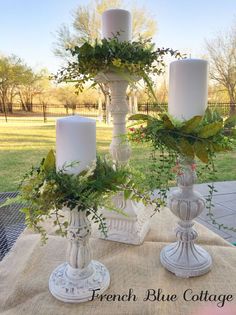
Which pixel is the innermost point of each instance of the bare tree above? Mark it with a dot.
(67, 96)
(13, 74)
(33, 85)
(86, 25)
(222, 56)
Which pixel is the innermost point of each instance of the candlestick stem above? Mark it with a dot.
(119, 148)
(183, 257)
(75, 280)
(132, 228)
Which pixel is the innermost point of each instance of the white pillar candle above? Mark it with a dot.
(114, 21)
(75, 141)
(188, 88)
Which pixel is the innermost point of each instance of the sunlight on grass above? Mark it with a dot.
(24, 144)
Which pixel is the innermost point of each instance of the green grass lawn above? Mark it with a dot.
(23, 144)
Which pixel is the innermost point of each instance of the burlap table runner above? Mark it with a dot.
(25, 271)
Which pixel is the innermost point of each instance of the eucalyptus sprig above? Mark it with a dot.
(200, 137)
(138, 58)
(45, 191)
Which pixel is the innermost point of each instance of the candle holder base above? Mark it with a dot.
(184, 263)
(184, 258)
(130, 229)
(72, 285)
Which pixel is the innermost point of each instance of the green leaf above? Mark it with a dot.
(201, 151)
(216, 115)
(230, 122)
(149, 84)
(167, 122)
(211, 129)
(218, 147)
(140, 117)
(127, 194)
(124, 74)
(10, 201)
(86, 49)
(186, 148)
(191, 124)
(169, 142)
(49, 162)
(208, 114)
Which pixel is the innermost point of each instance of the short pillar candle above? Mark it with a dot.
(75, 141)
(75, 280)
(117, 22)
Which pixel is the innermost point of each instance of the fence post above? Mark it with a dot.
(44, 112)
(5, 112)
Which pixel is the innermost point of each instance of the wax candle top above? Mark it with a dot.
(116, 21)
(75, 119)
(188, 87)
(190, 60)
(75, 141)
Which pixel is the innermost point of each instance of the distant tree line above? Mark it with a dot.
(18, 82)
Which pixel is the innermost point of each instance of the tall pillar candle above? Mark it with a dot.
(187, 98)
(75, 141)
(188, 88)
(117, 22)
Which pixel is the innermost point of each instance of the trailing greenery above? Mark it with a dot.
(137, 58)
(45, 191)
(201, 137)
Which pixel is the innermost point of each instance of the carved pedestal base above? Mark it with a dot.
(130, 229)
(185, 262)
(75, 280)
(71, 285)
(184, 258)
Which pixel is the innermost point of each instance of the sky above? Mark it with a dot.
(28, 27)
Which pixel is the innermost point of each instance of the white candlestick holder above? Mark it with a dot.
(184, 258)
(132, 228)
(75, 280)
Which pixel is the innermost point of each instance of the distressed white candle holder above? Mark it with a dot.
(132, 228)
(184, 258)
(75, 280)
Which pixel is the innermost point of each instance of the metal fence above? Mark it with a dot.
(222, 108)
(44, 112)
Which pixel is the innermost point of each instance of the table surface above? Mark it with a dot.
(25, 271)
